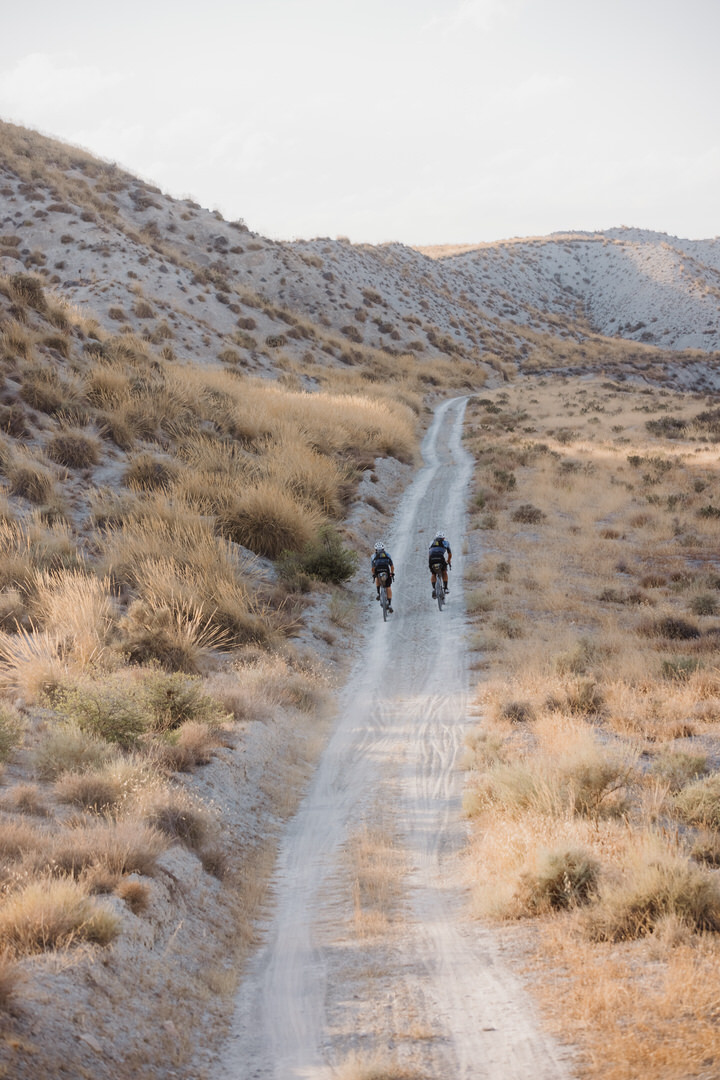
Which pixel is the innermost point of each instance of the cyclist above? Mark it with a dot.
(440, 551)
(382, 560)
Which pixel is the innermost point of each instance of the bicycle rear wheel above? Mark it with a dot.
(384, 602)
(439, 587)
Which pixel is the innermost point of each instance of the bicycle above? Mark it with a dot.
(437, 569)
(383, 578)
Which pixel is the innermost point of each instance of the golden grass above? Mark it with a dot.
(600, 617)
(54, 914)
(376, 867)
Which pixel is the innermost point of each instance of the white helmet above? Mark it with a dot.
(440, 534)
(379, 546)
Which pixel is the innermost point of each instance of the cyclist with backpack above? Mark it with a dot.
(440, 552)
(382, 560)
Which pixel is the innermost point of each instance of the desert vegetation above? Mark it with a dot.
(593, 777)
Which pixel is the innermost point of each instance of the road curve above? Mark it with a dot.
(395, 742)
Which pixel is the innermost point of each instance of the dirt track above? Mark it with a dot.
(435, 994)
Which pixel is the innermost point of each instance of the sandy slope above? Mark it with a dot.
(435, 994)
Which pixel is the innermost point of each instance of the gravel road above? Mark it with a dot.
(437, 997)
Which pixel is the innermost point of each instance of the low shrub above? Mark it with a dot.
(136, 894)
(178, 817)
(527, 514)
(517, 712)
(176, 636)
(95, 791)
(562, 878)
(678, 767)
(113, 709)
(699, 803)
(175, 699)
(324, 558)
(30, 481)
(11, 730)
(670, 627)
(704, 604)
(656, 887)
(12, 978)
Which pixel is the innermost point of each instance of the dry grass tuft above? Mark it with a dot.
(54, 914)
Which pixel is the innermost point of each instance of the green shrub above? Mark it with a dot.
(11, 731)
(114, 709)
(325, 559)
(175, 699)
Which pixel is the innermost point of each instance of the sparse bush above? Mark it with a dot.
(174, 699)
(11, 730)
(562, 878)
(12, 978)
(103, 847)
(680, 669)
(112, 709)
(678, 767)
(176, 635)
(324, 558)
(517, 712)
(657, 887)
(96, 791)
(178, 817)
(670, 627)
(528, 514)
(704, 604)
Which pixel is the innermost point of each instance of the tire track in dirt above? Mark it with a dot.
(396, 742)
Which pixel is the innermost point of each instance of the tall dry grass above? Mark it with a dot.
(594, 594)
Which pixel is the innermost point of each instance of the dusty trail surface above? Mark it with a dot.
(434, 994)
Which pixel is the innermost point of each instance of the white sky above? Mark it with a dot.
(424, 121)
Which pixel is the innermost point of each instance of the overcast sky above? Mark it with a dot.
(424, 121)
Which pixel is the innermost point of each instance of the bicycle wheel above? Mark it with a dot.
(439, 588)
(384, 602)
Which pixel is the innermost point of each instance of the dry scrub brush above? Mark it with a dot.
(591, 790)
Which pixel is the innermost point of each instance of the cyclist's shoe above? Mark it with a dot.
(433, 594)
(447, 590)
(377, 596)
(390, 611)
